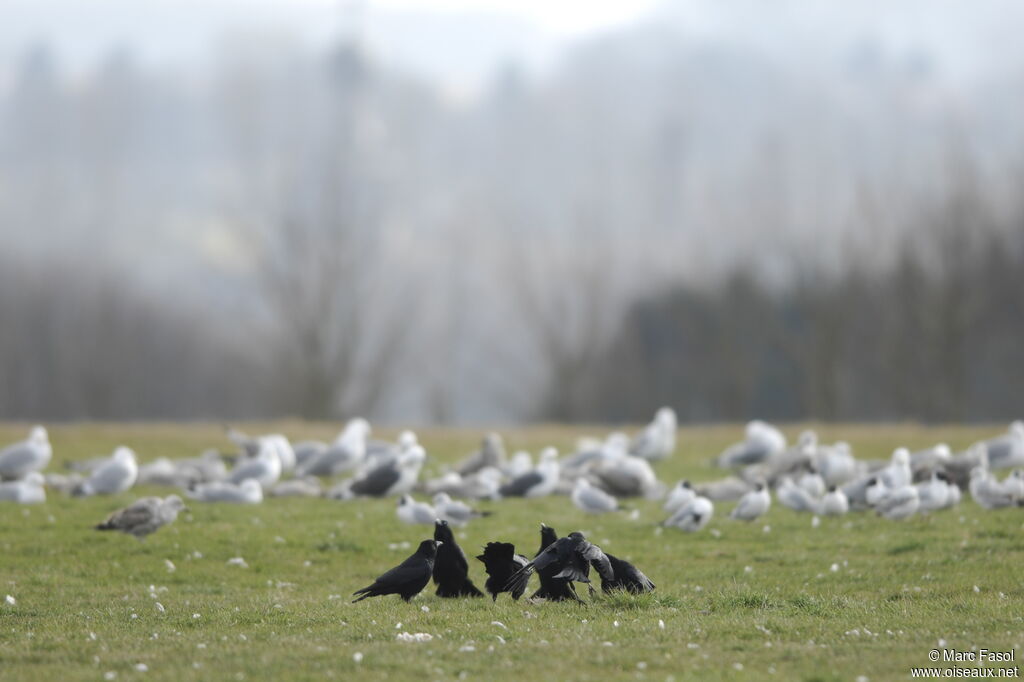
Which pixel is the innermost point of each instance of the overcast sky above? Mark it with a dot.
(460, 43)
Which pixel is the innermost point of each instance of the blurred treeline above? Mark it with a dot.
(658, 222)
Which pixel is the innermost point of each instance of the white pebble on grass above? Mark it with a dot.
(160, 607)
(499, 624)
(10, 600)
(358, 657)
(196, 616)
(237, 561)
(169, 565)
(661, 624)
(142, 667)
(641, 665)
(109, 675)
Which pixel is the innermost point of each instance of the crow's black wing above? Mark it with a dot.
(598, 559)
(411, 570)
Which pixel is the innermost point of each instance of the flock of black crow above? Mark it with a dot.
(559, 563)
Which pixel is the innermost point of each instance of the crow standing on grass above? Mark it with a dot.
(627, 577)
(451, 570)
(552, 588)
(504, 568)
(572, 556)
(408, 578)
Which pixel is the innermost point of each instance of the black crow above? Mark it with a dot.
(406, 579)
(451, 570)
(504, 569)
(552, 588)
(627, 577)
(573, 556)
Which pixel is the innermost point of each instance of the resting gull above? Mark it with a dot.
(144, 516)
(32, 454)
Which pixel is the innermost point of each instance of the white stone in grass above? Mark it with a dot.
(170, 566)
(815, 522)
(467, 648)
(767, 529)
(398, 626)
(160, 607)
(834, 568)
(977, 589)
(425, 609)
(142, 667)
(499, 624)
(196, 616)
(737, 665)
(10, 600)
(661, 624)
(615, 623)
(607, 644)
(641, 665)
(109, 675)
(358, 657)
(237, 561)
(748, 569)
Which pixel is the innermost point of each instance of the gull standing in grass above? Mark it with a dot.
(347, 452)
(680, 495)
(592, 500)
(834, 503)
(539, 482)
(395, 477)
(796, 498)
(33, 454)
(144, 516)
(693, 516)
(933, 494)
(658, 439)
(1007, 450)
(248, 491)
(490, 454)
(412, 512)
(115, 475)
(752, 505)
(987, 491)
(264, 467)
(455, 512)
(899, 503)
(762, 441)
(28, 490)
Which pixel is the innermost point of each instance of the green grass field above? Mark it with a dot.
(776, 599)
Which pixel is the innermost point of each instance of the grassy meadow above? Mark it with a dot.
(782, 599)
